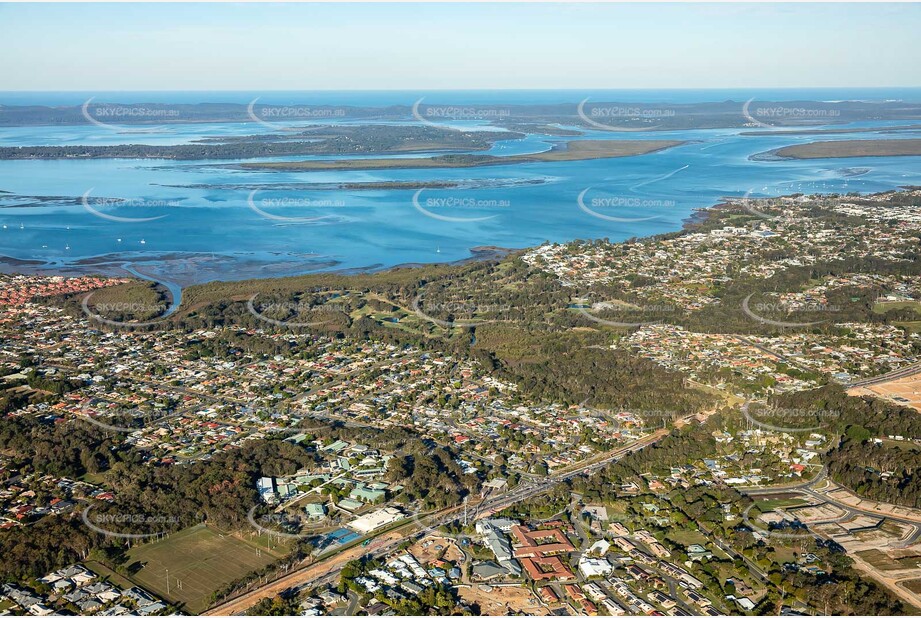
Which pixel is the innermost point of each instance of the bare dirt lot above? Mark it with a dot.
(499, 601)
(817, 513)
(435, 547)
(906, 388)
(913, 584)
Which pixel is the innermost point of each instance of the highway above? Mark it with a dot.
(308, 575)
(904, 372)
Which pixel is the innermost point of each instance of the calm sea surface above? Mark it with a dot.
(188, 222)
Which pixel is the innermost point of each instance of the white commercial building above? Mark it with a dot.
(377, 519)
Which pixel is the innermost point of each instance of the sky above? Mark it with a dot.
(90, 47)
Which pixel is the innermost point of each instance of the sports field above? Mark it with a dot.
(200, 560)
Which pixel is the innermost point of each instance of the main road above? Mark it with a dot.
(326, 571)
(897, 374)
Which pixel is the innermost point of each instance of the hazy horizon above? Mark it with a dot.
(376, 47)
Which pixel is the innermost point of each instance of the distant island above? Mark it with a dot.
(850, 148)
(320, 140)
(377, 185)
(835, 131)
(575, 150)
(559, 119)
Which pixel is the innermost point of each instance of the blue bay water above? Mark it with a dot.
(215, 232)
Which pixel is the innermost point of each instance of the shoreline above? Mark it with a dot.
(572, 150)
(721, 108)
(380, 185)
(842, 149)
(113, 266)
(834, 131)
(110, 265)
